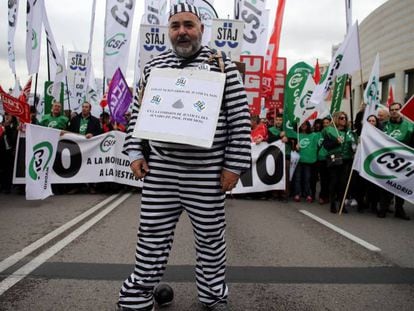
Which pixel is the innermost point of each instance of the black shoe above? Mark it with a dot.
(121, 308)
(333, 208)
(382, 214)
(221, 306)
(402, 216)
(344, 210)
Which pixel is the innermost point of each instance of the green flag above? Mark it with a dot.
(295, 82)
(338, 93)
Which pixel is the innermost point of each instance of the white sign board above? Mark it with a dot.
(181, 106)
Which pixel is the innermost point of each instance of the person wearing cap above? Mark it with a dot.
(181, 177)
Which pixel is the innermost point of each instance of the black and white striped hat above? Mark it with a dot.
(184, 7)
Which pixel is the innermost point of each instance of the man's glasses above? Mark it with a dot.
(397, 109)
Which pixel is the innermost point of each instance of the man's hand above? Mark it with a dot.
(139, 168)
(89, 135)
(228, 180)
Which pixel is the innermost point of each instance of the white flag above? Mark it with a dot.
(60, 77)
(227, 36)
(304, 108)
(78, 64)
(155, 12)
(346, 61)
(33, 34)
(55, 63)
(386, 162)
(118, 26)
(371, 93)
(12, 15)
(41, 146)
(255, 16)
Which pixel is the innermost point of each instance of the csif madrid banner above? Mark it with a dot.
(386, 162)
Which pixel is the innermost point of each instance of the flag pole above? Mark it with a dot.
(349, 182)
(35, 92)
(48, 63)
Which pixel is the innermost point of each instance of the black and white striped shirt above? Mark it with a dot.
(231, 145)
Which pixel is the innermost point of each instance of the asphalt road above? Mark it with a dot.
(72, 252)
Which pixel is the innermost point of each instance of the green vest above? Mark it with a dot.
(400, 131)
(346, 149)
(59, 122)
(308, 150)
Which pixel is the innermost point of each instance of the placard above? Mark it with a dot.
(181, 106)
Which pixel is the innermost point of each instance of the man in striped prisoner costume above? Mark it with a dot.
(183, 177)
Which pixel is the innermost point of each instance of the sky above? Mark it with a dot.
(309, 30)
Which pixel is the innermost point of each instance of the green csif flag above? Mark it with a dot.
(295, 82)
(338, 93)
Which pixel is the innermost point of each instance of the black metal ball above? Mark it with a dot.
(163, 294)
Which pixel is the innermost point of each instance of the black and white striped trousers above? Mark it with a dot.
(168, 190)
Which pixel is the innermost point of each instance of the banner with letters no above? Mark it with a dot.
(100, 159)
(81, 160)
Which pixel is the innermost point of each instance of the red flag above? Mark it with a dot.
(408, 109)
(390, 98)
(15, 107)
(273, 47)
(104, 101)
(24, 95)
(317, 73)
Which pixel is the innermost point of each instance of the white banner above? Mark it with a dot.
(41, 146)
(77, 84)
(34, 20)
(100, 159)
(81, 160)
(156, 12)
(118, 26)
(185, 102)
(345, 61)
(227, 36)
(371, 93)
(12, 17)
(267, 171)
(60, 77)
(255, 16)
(386, 162)
(153, 41)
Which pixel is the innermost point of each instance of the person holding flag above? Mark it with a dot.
(340, 143)
(401, 130)
(55, 119)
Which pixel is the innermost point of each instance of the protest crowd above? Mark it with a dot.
(83, 123)
(314, 180)
(317, 177)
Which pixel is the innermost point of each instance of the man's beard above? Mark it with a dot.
(188, 51)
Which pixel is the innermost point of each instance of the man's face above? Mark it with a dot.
(185, 31)
(394, 111)
(56, 109)
(278, 122)
(86, 109)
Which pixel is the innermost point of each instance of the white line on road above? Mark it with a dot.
(43, 257)
(13, 259)
(346, 234)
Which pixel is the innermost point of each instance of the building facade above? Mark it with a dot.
(389, 31)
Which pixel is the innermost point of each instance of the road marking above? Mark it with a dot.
(346, 234)
(43, 257)
(13, 259)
